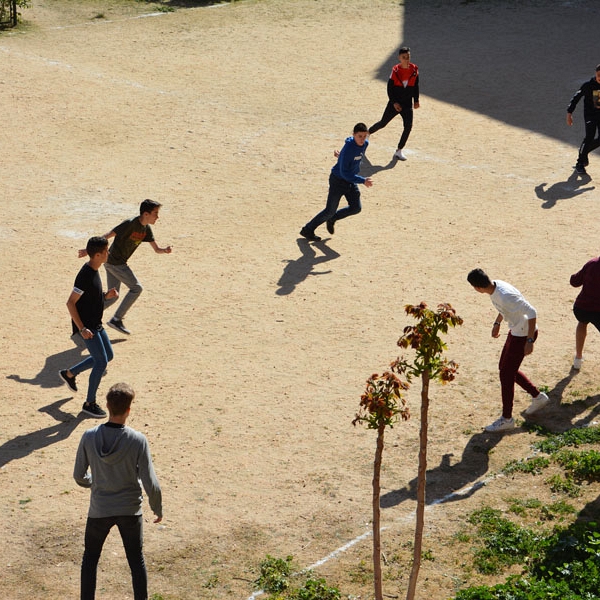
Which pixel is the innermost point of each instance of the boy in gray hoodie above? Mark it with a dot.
(118, 458)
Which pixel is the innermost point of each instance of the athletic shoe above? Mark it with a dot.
(536, 403)
(309, 235)
(577, 362)
(93, 410)
(400, 155)
(118, 325)
(580, 169)
(331, 226)
(500, 424)
(70, 381)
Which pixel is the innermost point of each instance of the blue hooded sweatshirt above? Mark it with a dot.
(348, 164)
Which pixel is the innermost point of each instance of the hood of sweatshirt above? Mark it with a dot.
(112, 444)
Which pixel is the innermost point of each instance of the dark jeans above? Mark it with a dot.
(388, 114)
(511, 358)
(96, 531)
(101, 353)
(337, 188)
(590, 141)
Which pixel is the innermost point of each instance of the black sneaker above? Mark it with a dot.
(580, 169)
(331, 226)
(118, 325)
(70, 381)
(93, 410)
(309, 235)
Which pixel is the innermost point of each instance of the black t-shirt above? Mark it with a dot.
(90, 305)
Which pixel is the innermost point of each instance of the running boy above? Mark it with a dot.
(402, 91)
(343, 181)
(590, 92)
(86, 306)
(128, 236)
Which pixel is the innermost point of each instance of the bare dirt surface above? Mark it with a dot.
(250, 346)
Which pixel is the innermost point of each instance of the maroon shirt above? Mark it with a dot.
(589, 278)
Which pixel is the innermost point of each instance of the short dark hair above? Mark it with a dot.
(404, 50)
(478, 278)
(119, 398)
(597, 68)
(360, 127)
(96, 245)
(147, 206)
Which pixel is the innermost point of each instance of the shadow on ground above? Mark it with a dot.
(563, 190)
(494, 58)
(451, 482)
(48, 374)
(25, 444)
(297, 270)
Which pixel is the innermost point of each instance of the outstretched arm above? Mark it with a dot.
(83, 252)
(159, 250)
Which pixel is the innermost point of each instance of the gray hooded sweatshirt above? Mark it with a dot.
(119, 462)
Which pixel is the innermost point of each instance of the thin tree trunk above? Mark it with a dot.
(421, 482)
(376, 513)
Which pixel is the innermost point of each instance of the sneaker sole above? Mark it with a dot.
(66, 381)
(118, 328)
(533, 409)
(93, 414)
(499, 430)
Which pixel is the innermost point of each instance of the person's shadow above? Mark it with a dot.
(48, 376)
(296, 271)
(23, 445)
(367, 169)
(563, 190)
(445, 481)
(558, 417)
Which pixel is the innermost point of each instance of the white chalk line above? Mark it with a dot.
(333, 555)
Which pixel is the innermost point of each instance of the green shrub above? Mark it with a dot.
(274, 574)
(505, 543)
(315, 589)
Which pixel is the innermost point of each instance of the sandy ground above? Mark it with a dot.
(250, 346)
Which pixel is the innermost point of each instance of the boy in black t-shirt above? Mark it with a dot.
(86, 306)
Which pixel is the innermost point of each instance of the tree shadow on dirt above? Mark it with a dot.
(449, 483)
(563, 190)
(296, 271)
(48, 375)
(23, 445)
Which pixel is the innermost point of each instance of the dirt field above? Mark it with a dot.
(250, 346)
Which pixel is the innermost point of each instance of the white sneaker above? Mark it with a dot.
(536, 403)
(501, 424)
(399, 155)
(577, 362)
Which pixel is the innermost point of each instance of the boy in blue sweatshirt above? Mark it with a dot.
(343, 181)
(119, 462)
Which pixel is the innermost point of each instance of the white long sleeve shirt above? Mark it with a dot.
(511, 304)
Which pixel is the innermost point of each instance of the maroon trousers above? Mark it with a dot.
(511, 358)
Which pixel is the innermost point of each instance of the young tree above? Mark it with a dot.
(428, 364)
(380, 406)
(383, 403)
